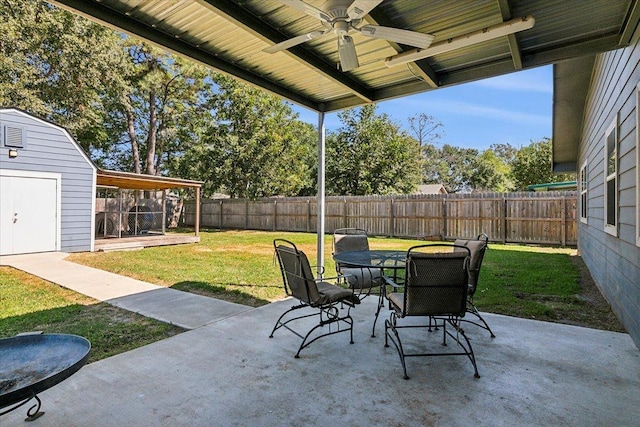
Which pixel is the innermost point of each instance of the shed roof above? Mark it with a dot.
(135, 181)
(230, 36)
(431, 189)
(550, 186)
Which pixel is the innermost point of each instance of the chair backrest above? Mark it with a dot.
(296, 272)
(477, 248)
(350, 239)
(436, 282)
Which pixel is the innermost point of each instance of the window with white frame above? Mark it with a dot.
(611, 179)
(584, 212)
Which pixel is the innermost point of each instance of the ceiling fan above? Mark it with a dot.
(342, 17)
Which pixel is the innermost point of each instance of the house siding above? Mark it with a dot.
(50, 148)
(614, 261)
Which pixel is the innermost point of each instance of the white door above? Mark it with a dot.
(28, 214)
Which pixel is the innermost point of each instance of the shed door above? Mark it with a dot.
(28, 214)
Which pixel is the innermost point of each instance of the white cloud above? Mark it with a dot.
(478, 110)
(530, 81)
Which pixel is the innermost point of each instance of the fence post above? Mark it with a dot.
(221, 215)
(504, 219)
(246, 214)
(444, 219)
(563, 222)
(275, 215)
(345, 208)
(392, 224)
(308, 215)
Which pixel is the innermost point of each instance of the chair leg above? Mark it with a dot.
(280, 324)
(332, 319)
(380, 305)
(468, 349)
(391, 324)
(332, 316)
(472, 309)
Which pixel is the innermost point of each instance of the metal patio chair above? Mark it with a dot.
(477, 248)
(362, 280)
(436, 284)
(317, 294)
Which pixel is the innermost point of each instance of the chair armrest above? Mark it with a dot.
(388, 281)
(337, 278)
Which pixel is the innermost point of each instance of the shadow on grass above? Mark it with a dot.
(542, 286)
(222, 292)
(110, 330)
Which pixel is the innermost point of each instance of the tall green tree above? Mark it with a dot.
(492, 173)
(532, 165)
(159, 113)
(369, 154)
(254, 147)
(450, 166)
(59, 66)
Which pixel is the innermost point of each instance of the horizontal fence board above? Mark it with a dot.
(532, 218)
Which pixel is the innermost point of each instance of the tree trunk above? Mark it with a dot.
(152, 136)
(135, 150)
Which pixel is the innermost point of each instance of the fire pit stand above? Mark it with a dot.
(32, 363)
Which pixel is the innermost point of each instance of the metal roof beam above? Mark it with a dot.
(121, 22)
(505, 11)
(384, 94)
(630, 24)
(574, 50)
(530, 60)
(247, 21)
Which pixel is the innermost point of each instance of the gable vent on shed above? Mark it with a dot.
(13, 137)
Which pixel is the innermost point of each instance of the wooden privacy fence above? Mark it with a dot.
(532, 218)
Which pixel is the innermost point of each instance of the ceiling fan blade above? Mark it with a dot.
(295, 41)
(308, 9)
(410, 38)
(347, 53)
(360, 8)
(489, 33)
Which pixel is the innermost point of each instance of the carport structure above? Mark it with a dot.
(118, 182)
(472, 40)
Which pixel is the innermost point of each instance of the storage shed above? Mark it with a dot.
(47, 187)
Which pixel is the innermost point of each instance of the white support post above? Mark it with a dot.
(320, 202)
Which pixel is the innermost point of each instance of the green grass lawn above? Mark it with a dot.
(239, 266)
(28, 303)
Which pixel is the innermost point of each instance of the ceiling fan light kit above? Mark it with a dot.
(342, 17)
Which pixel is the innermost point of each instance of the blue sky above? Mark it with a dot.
(514, 108)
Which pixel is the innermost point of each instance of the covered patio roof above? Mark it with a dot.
(134, 181)
(230, 36)
(471, 40)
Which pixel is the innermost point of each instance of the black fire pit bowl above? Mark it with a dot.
(30, 364)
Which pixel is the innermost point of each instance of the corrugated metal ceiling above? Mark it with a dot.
(231, 35)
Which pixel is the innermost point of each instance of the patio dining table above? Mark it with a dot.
(387, 261)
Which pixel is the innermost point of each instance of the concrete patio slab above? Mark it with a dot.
(229, 373)
(183, 309)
